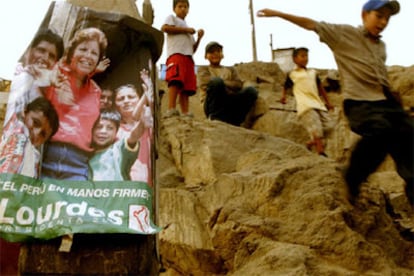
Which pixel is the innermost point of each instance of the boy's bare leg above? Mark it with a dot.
(184, 103)
(318, 142)
(310, 144)
(173, 91)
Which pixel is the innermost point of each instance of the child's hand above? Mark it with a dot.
(200, 33)
(144, 75)
(57, 78)
(283, 100)
(147, 86)
(266, 13)
(103, 65)
(191, 30)
(35, 70)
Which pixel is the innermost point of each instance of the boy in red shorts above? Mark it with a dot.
(181, 46)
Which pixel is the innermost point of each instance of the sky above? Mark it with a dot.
(229, 23)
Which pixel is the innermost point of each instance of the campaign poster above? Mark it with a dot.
(77, 147)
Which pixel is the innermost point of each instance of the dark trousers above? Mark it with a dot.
(385, 128)
(231, 108)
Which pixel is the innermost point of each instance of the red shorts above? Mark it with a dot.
(181, 72)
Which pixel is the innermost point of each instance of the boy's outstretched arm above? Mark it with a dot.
(303, 22)
(135, 134)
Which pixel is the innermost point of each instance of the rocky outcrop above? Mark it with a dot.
(238, 201)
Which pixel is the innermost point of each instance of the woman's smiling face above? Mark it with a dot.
(85, 57)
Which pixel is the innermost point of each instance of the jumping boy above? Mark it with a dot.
(372, 111)
(181, 46)
(311, 111)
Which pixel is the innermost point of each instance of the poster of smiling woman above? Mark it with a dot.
(77, 147)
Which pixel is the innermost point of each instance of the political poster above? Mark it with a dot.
(77, 147)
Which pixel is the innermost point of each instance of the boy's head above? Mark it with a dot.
(175, 2)
(45, 49)
(300, 56)
(373, 5)
(107, 99)
(41, 119)
(105, 128)
(180, 8)
(214, 53)
(376, 15)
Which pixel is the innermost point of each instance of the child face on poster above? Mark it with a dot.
(39, 127)
(104, 133)
(41, 121)
(107, 99)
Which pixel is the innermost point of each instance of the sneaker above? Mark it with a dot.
(171, 113)
(188, 115)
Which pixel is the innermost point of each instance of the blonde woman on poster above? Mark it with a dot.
(66, 155)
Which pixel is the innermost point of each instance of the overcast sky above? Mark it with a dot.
(228, 22)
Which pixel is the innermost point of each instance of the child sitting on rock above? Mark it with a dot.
(225, 98)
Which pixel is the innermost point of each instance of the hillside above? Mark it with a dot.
(256, 201)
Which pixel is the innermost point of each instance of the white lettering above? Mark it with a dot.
(48, 215)
(25, 215)
(9, 186)
(93, 212)
(32, 190)
(55, 188)
(44, 215)
(3, 207)
(76, 209)
(138, 193)
(116, 217)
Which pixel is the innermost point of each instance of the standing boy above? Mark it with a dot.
(181, 46)
(310, 109)
(225, 98)
(372, 111)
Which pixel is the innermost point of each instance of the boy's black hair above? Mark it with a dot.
(51, 37)
(44, 105)
(111, 115)
(175, 2)
(296, 51)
